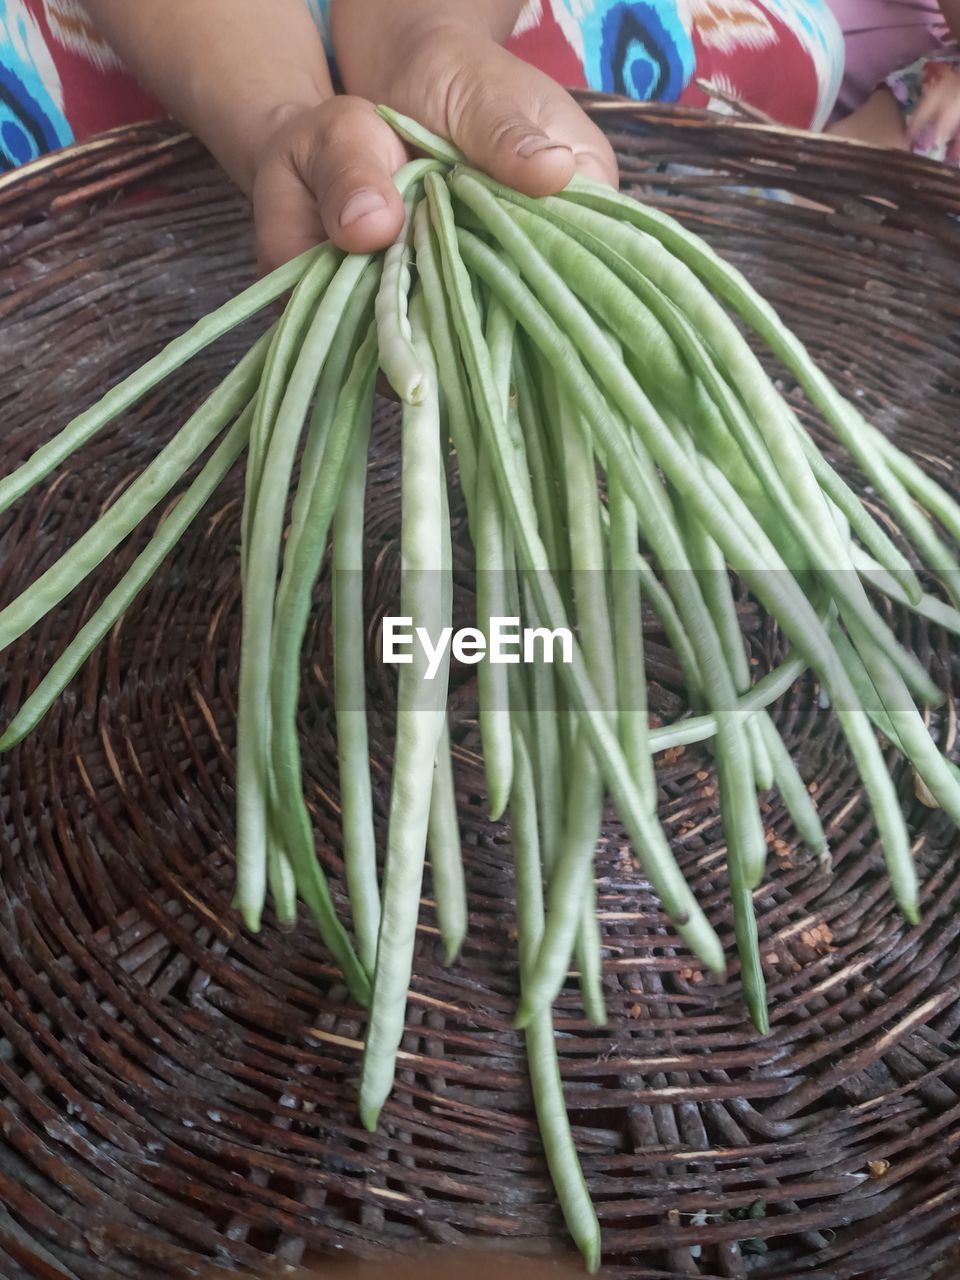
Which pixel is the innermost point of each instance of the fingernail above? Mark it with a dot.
(923, 142)
(537, 142)
(359, 205)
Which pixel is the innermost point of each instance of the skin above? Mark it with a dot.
(250, 78)
(878, 122)
(935, 123)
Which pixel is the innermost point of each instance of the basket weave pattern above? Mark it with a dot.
(174, 1092)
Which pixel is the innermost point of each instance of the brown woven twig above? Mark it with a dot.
(175, 1093)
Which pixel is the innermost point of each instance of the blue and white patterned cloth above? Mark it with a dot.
(31, 120)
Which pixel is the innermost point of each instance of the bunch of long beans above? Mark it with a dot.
(616, 440)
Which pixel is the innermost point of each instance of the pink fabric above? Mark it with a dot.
(882, 36)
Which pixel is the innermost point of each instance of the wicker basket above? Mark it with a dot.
(176, 1095)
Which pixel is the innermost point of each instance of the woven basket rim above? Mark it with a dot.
(628, 110)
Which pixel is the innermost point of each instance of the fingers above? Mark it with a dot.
(934, 127)
(521, 127)
(922, 124)
(509, 119)
(329, 172)
(498, 138)
(285, 214)
(329, 176)
(349, 167)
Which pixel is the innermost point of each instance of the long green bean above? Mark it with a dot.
(910, 726)
(444, 847)
(353, 325)
(168, 534)
(153, 483)
(582, 517)
(423, 139)
(420, 720)
(748, 944)
(253, 708)
(287, 340)
(741, 816)
(133, 388)
(745, 545)
(767, 436)
(930, 495)
(445, 851)
(708, 561)
(793, 792)
(584, 811)
(350, 690)
(911, 730)
(683, 287)
(493, 567)
(870, 700)
(874, 708)
(449, 364)
(777, 763)
(254, 725)
(398, 359)
(335, 367)
(784, 771)
(745, 862)
(849, 426)
(546, 498)
(648, 836)
(673, 630)
(341, 352)
(545, 745)
(928, 606)
(554, 1122)
(288, 630)
(281, 878)
(693, 729)
(628, 627)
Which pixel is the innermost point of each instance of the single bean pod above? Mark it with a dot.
(420, 720)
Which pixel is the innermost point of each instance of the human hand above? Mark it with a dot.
(326, 174)
(934, 128)
(442, 62)
(327, 171)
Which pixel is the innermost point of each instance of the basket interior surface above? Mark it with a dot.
(177, 1094)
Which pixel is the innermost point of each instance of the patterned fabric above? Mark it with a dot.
(32, 120)
(881, 36)
(784, 57)
(908, 87)
(59, 81)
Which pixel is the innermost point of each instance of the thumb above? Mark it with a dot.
(521, 127)
(502, 141)
(349, 166)
(329, 176)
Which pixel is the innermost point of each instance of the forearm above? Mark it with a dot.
(230, 70)
(372, 39)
